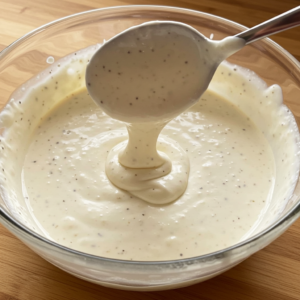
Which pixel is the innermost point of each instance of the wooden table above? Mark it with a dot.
(273, 273)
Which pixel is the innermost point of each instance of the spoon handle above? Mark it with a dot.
(280, 23)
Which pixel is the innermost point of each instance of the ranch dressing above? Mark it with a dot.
(240, 175)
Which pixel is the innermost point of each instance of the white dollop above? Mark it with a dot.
(146, 76)
(159, 185)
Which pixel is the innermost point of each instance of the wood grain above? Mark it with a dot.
(273, 273)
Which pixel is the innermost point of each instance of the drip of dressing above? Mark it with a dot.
(145, 77)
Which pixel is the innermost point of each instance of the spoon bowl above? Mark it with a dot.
(154, 71)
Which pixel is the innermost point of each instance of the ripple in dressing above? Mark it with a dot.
(147, 76)
(242, 143)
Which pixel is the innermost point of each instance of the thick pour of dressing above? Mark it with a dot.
(145, 77)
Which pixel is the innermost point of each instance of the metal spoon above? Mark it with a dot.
(154, 71)
(277, 24)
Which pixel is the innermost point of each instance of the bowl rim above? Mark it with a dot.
(290, 214)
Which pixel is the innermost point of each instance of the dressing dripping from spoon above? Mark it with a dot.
(145, 77)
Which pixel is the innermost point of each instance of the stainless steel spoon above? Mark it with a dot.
(125, 76)
(277, 24)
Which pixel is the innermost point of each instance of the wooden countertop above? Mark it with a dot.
(273, 273)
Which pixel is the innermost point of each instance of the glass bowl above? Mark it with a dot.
(27, 56)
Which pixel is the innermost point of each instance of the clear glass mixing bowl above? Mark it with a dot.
(27, 56)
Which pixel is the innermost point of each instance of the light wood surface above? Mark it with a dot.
(273, 273)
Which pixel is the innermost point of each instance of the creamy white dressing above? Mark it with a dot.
(65, 179)
(243, 166)
(145, 77)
